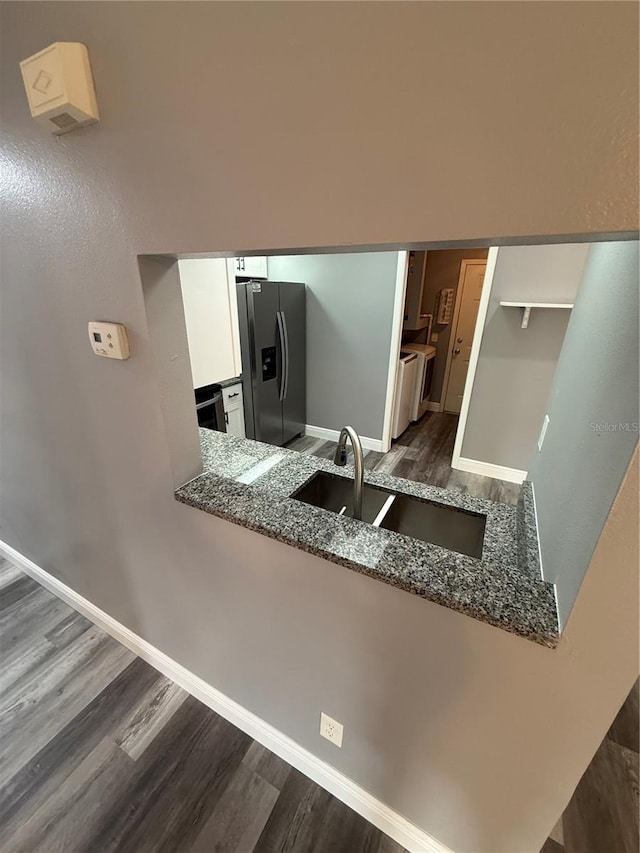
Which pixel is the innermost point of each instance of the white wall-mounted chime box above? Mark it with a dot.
(109, 339)
(59, 87)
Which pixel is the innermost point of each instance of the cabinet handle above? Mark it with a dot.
(231, 396)
(226, 418)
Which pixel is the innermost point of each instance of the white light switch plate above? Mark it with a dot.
(109, 339)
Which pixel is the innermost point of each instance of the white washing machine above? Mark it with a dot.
(406, 377)
(424, 377)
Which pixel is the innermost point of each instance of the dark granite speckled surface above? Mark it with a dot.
(528, 549)
(250, 483)
(227, 383)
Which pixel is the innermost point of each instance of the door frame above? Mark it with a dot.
(394, 349)
(487, 286)
(454, 322)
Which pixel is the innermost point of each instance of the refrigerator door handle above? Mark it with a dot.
(285, 364)
(283, 355)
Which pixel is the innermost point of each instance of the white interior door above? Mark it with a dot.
(464, 323)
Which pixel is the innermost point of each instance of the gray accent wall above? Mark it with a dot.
(593, 411)
(349, 323)
(516, 366)
(283, 127)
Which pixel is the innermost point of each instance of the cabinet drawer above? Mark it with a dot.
(232, 396)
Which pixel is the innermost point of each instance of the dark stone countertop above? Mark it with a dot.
(227, 383)
(250, 483)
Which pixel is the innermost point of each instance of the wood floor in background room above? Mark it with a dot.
(422, 453)
(100, 752)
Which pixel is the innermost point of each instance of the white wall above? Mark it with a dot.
(301, 144)
(350, 300)
(516, 366)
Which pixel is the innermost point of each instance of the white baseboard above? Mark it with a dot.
(407, 834)
(434, 407)
(498, 472)
(334, 435)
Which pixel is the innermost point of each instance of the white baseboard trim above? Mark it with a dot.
(498, 472)
(334, 434)
(434, 407)
(407, 834)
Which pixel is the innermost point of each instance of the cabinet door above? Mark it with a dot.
(235, 421)
(211, 317)
(254, 267)
(234, 410)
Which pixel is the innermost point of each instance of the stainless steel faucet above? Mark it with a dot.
(341, 459)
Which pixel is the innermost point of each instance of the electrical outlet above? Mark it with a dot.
(543, 432)
(434, 337)
(331, 729)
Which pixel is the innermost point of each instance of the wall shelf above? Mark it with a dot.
(527, 306)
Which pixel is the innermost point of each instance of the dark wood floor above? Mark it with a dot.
(422, 453)
(99, 752)
(602, 816)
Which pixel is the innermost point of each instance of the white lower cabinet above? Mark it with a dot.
(235, 422)
(234, 410)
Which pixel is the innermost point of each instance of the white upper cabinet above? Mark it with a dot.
(254, 267)
(211, 317)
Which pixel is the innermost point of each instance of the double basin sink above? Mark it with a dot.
(455, 529)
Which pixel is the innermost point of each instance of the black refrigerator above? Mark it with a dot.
(273, 339)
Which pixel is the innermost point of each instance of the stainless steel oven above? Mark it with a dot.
(210, 407)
